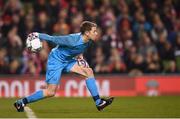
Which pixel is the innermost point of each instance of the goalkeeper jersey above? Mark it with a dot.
(68, 46)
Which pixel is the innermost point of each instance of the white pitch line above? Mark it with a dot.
(29, 113)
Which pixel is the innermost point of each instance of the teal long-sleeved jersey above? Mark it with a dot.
(68, 46)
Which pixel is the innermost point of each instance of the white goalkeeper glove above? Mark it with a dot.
(33, 35)
(33, 42)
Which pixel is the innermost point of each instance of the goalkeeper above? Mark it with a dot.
(63, 58)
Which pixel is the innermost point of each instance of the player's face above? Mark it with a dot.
(93, 33)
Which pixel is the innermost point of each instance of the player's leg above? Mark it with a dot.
(87, 73)
(49, 91)
(83, 69)
(52, 79)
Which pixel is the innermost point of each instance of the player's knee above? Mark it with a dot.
(89, 72)
(50, 93)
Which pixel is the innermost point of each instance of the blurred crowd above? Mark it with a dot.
(135, 36)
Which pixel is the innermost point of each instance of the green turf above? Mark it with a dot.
(168, 106)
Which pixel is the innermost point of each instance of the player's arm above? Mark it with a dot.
(59, 40)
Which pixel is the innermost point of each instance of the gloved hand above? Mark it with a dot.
(33, 35)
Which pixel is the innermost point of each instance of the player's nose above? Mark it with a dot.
(96, 33)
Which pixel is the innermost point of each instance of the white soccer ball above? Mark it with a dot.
(34, 44)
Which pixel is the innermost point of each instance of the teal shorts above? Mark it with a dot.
(55, 69)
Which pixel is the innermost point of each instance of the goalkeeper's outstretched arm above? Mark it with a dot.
(59, 40)
(65, 40)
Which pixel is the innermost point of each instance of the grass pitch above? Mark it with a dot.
(163, 106)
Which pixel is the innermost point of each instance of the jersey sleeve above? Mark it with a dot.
(65, 40)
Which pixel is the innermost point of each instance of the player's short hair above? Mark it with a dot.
(86, 26)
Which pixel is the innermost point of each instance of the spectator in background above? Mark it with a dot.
(160, 44)
(4, 61)
(29, 25)
(129, 56)
(116, 65)
(12, 7)
(124, 20)
(76, 20)
(15, 44)
(15, 67)
(154, 64)
(146, 45)
(54, 7)
(100, 64)
(171, 68)
(39, 6)
(43, 55)
(167, 55)
(140, 23)
(31, 64)
(138, 65)
(108, 18)
(158, 28)
(109, 40)
(63, 29)
(90, 12)
(168, 52)
(10, 15)
(43, 23)
(168, 14)
(140, 36)
(177, 51)
(175, 31)
(134, 6)
(151, 8)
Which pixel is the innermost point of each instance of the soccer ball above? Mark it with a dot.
(34, 44)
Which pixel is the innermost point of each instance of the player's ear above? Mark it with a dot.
(87, 33)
